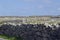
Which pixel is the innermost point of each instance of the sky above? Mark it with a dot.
(29, 7)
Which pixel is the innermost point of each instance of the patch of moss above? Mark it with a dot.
(10, 37)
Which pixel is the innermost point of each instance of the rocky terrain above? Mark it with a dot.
(30, 27)
(31, 31)
(30, 19)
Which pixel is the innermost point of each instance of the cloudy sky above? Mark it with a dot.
(29, 7)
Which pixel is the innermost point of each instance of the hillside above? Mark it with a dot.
(30, 27)
(29, 19)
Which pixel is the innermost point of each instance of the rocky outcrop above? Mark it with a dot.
(31, 31)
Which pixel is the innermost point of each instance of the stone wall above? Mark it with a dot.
(31, 31)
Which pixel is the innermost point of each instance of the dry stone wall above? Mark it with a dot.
(31, 31)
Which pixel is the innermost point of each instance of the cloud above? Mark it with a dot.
(43, 1)
(40, 6)
(47, 1)
(58, 8)
(29, 0)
